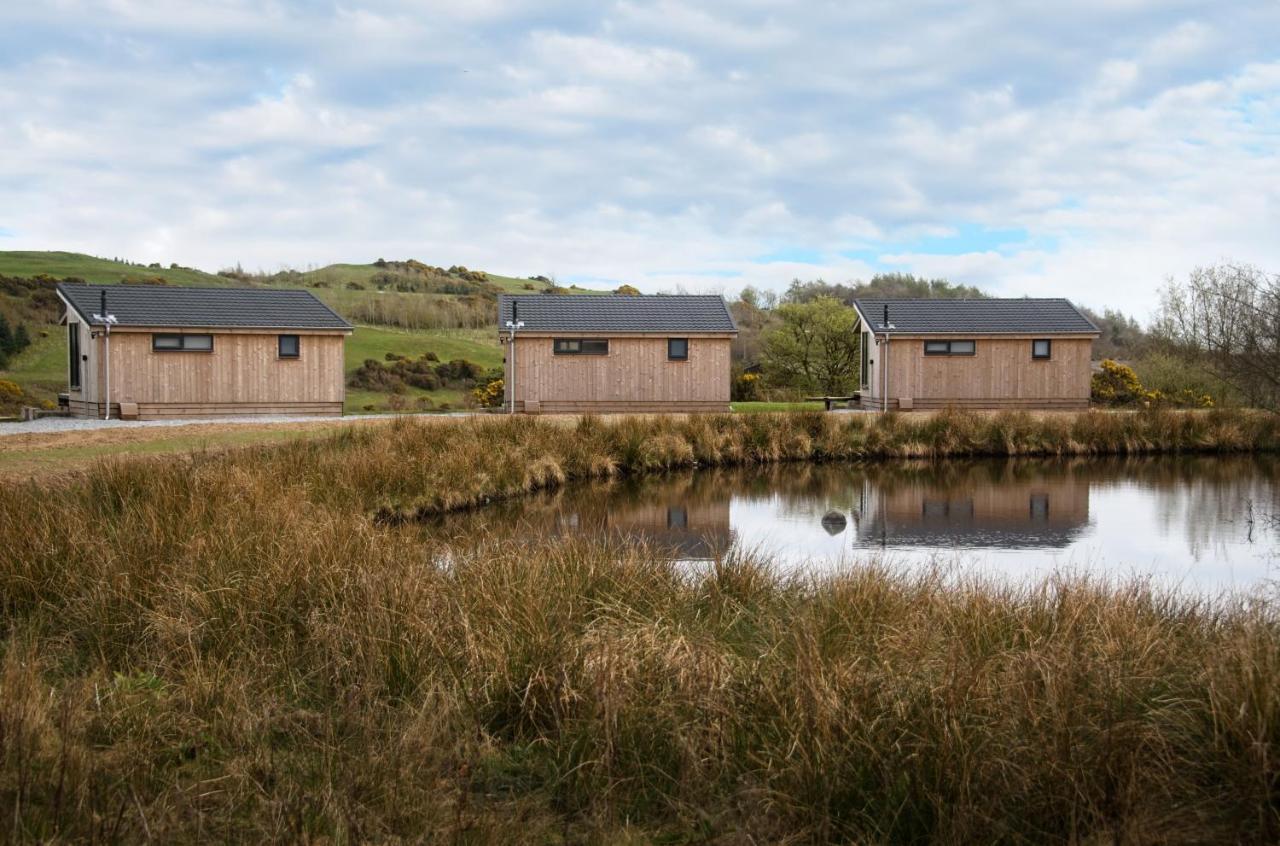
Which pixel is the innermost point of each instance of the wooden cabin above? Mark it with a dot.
(614, 353)
(974, 353)
(151, 351)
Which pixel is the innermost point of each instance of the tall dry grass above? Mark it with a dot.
(234, 647)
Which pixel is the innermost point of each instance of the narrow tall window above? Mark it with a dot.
(289, 346)
(1042, 348)
(866, 360)
(678, 349)
(73, 354)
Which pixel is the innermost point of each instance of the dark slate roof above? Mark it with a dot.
(976, 316)
(204, 308)
(618, 313)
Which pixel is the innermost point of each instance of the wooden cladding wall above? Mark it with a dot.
(634, 376)
(1000, 373)
(242, 375)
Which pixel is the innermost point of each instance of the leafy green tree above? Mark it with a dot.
(814, 348)
(892, 285)
(6, 337)
(21, 338)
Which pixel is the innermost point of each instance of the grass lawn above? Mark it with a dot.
(29, 456)
(757, 407)
(478, 345)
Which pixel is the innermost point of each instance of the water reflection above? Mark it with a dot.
(1210, 520)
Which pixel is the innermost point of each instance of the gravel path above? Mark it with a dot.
(49, 425)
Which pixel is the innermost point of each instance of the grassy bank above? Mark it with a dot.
(233, 647)
(411, 468)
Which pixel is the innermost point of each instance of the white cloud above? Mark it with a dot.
(666, 144)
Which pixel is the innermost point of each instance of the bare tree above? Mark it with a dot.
(1226, 317)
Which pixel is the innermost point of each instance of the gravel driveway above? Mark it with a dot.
(49, 425)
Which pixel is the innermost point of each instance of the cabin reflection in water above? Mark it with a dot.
(681, 516)
(699, 515)
(983, 507)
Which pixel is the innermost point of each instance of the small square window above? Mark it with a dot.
(678, 349)
(962, 347)
(1041, 348)
(289, 346)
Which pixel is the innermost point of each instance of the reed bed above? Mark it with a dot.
(243, 647)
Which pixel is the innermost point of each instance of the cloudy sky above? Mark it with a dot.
(1087, 149)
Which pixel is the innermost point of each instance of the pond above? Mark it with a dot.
(1202, 523)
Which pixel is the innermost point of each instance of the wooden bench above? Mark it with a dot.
(827, 401)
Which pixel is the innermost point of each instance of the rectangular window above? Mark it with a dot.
(580, 346)
(73, 353)
(950, 347)
(182, 343)
(866, 360)
(1042, 349)
(288, 346)
(678, 349)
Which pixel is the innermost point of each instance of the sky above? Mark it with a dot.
(1088, 149)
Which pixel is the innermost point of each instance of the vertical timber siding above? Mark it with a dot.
(243, 375)
(634, 376)
(1001, 373)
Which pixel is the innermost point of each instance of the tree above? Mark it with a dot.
(815, 347)
(891, 285)
(6, 337)
(628, 290)
(1226, 318)
(21, 339)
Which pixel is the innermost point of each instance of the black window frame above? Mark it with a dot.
(73, 356)
(672, 356)
(182, 342)
(1048, 342)
(950, 350)
(584, 346)
(297, 347)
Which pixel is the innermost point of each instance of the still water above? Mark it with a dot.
(1199, 523)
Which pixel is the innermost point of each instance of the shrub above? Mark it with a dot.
(459, 370)
(1116, 385)
(489, 394)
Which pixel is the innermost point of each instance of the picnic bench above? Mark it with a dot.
(828, 401)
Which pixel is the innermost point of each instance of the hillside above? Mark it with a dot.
(401, 309)
(100, 271)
